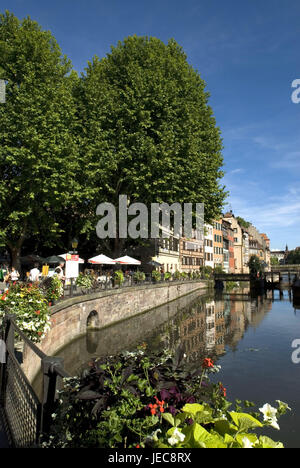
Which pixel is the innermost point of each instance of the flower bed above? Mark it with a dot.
(137, 399)
(30, 307)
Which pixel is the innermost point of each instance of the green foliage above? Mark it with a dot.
(293, 257)
(167, 276)
(275, 261)
(153, 400)
(255, 265)
(242, 222)
(146, 128)
(230, 285)
(119, 277)
(139, 276)
(30, 307)
(85, 281)
(207, 272)
(177, 275)
(38, 156)
(156, 275)
(218, 269)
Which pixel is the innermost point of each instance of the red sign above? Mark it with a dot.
(73, 258)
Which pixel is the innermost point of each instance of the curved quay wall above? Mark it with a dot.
(70, 318)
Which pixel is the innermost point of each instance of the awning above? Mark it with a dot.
(126, 260)
(101, 260)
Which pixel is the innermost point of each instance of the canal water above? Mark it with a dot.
(250, 337)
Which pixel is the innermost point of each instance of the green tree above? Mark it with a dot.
(38, 159)
(274, 261)
(242, 222)
(255, 265)
(147, 129)
(293, 257)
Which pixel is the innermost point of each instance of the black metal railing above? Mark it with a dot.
(109, 283)
(24, 416)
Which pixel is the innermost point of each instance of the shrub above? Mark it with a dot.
(167, 276)
(139, 276)
(119, 277)
(177, 275)
(85, 281)
(156, 275)
(52, 288)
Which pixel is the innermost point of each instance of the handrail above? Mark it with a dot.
(24, 337)
(38, 419)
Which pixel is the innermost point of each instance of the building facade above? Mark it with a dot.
(208, 245)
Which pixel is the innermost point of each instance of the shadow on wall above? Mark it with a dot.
(93, 320)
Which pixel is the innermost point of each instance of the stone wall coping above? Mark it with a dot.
(90, 297)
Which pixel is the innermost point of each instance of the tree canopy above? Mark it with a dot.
(137, 122)
(37, 150)
(147, 129)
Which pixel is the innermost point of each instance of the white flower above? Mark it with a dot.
(270, 415)
(247, 443)
(176, 437)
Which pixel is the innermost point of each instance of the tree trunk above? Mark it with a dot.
(15, 253)
(15, 249)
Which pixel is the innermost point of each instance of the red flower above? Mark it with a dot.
(159, 404)
(223, 390)
(39, 333)
(50, 304)
(37, 312)
(137, 446)
(152, 408)
(207, 363)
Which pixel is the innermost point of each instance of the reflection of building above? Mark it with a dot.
(192, 333)
(210, 332)
(220, 328)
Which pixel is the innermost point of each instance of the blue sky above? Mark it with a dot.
(248, 54)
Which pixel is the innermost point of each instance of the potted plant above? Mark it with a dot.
(119, 277)
(156, 276)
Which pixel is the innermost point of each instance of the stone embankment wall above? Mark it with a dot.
(73, 317)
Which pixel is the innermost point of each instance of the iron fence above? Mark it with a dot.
(25, 417)
(109, 283)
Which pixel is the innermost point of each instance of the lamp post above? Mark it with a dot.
(74, 244)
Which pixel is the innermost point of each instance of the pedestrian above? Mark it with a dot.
(60, 271)
(34, 273)
(14, 275)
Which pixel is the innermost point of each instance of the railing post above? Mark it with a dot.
(50, 387)
(9, 340)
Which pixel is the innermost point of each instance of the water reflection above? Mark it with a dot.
(250, 336)
(207, 326)
(204, 326)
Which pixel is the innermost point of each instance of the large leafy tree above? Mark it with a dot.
(38, 158)
(147, 129)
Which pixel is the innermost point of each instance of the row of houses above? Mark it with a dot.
(225, 243)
